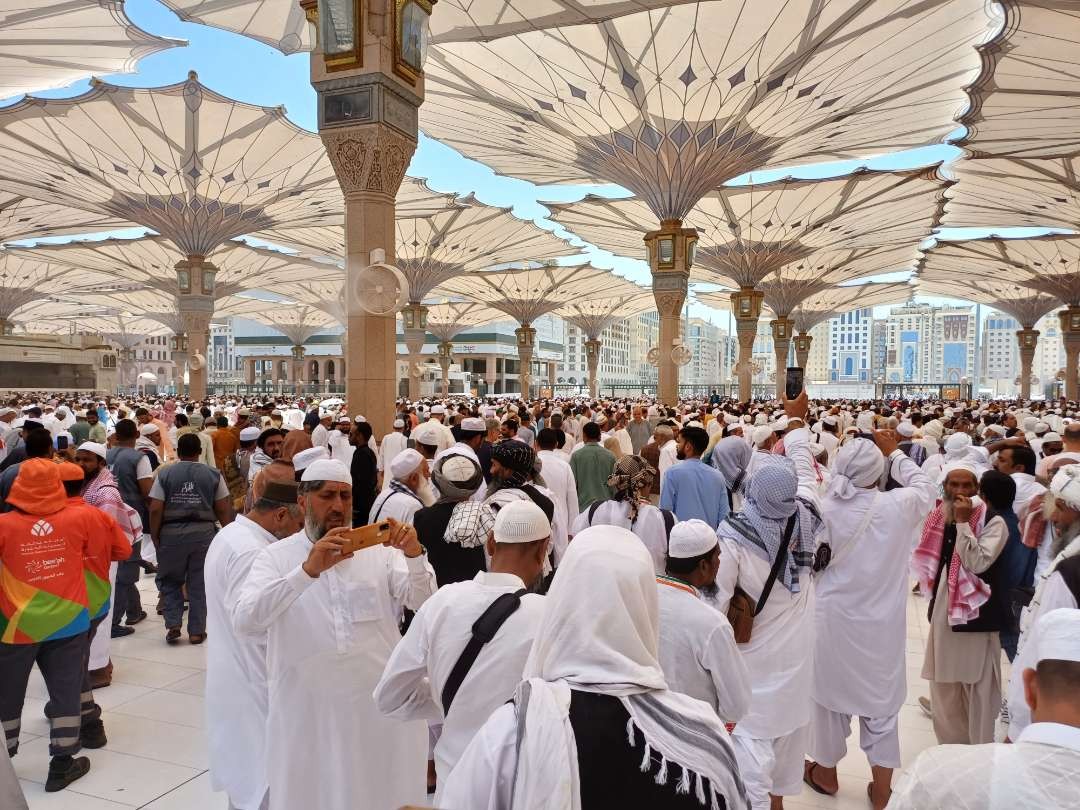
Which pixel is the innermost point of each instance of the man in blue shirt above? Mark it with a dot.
(690, 488)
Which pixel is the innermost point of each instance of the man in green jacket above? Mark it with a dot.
(592, 465)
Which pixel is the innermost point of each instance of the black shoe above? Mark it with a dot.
(173, 635)
(92, 734)
(149, 568)
(134, 620)
(119, 631)
(65, 770)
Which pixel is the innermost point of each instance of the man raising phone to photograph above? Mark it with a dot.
(331, 622)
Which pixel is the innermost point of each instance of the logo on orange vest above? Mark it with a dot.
(41, 529)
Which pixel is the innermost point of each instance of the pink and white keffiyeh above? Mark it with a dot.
(967, 592)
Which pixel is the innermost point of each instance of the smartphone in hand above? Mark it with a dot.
(374, 534)
(793, 385)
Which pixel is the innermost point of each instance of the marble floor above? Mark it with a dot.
(156, 756)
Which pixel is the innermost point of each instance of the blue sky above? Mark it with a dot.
(250, 71)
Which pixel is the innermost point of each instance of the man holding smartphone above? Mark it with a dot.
(331, 622)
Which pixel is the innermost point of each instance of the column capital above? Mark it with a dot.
(782, 329)
(803, 341)
(746, 305)
(1069, 321)
(369, 158)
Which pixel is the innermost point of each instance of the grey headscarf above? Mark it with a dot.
(731, 456)
(770, 501)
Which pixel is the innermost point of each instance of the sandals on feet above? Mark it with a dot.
(808, 776)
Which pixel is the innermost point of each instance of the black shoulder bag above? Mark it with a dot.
(483, 631)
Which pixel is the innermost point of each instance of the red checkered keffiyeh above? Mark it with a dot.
(967, 592)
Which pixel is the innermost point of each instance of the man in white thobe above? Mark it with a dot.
(697, 646)
(438, 418)
(405, 494)
(236, 690)
(320, 434)
(1057, 587)
(471, 435)
(1041, 769)
(559, 478)
(860, 612)
(416, 675)
(331, 622)
(771, 740)
(392, 444)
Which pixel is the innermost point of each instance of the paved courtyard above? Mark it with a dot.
(156, 757)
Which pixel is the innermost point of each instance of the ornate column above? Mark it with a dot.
(671, 252)
(195, 279)
(746, 306)
(178, 344)
(446, 357)
(368, 72)
(551, 375)
(592, 358)
(5, 326)
(526, 344)
(1028, 339)
(249, 370)
(415, 318)
(802, 349)
(297, 365)
(781, 332)
(491, 365)
(1069, 319)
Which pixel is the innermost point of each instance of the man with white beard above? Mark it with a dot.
(861, 609)
(330, 620)
(1059, 586)
(408, 491)
(236, 690)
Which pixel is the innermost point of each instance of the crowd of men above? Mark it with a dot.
(573, 603)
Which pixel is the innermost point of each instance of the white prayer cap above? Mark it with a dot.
(906, 429)
(780, 424)
(999, 430)
(761, 435)
(249, 434)
(694, 423)
(7, 411)
(1058, 634)
(97, 448)
(428, 433)
(1051, 437)
(474, 425)
(405, 463)
(830, 420)
(399, 423)
(957, 465)
(148, 429)
(731, 419)
(691, 538)
(327, 469)
(437, 409)
(1041, 427)
(521, 522)
(1065, 485)
(457, 468)
(1029, 424)
(305, 458)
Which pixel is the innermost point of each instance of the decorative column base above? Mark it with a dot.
(746, 305)
(1028, 339)
(526, 344)
(592, 358)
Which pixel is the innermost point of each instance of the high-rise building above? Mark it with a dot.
(850, 346)
(930, 344)
(615, 353)
(817, 364)
(879, 346)
(1000, 354)
(705, 342)
(1049, 352)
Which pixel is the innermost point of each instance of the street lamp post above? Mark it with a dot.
(367, 69)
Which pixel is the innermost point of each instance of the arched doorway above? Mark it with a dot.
(313, 375)
(331, 376)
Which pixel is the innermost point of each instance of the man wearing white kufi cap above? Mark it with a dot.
(1058, 587)
(438, 420)
(860, 609)
(331, 623)
(305, 458)
(1041, 769)
(697, 646)
(415, 682)
(392, 444)
(407, 491)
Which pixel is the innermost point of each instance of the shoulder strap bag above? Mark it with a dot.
(742, 609)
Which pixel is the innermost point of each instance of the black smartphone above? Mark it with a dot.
(61, 442)
(794, 385)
